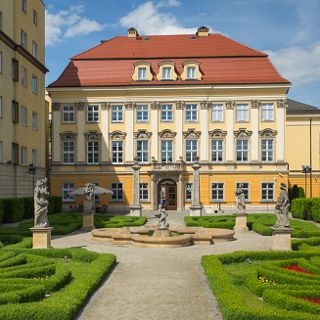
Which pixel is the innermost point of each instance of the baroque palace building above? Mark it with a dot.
(23, 115)
(165, 103)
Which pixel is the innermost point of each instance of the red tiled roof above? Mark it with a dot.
(222, 61)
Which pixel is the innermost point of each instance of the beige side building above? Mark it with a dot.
(22, 96)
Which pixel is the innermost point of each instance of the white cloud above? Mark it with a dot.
(69, 23)
(300, 65)
(148, 19)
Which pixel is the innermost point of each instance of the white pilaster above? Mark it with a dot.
(255, 131)
(154, 126)
(81, 147)
(204, 138)
(56, 150)
(230, 137)
(105, 132)
(281, 112)
(179, 128)
(129, 147)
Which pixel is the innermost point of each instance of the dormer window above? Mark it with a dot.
(142, 71)
(167, 71)
(191, 71)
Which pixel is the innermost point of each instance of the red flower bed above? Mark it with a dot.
(296, 268)
(312, 300)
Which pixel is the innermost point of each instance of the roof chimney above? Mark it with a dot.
(132, 33)
(203, 31)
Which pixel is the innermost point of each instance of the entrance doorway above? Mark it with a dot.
(167, 190)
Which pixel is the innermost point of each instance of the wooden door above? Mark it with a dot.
(171, 197)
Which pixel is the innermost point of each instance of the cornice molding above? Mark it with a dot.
(217, 133)
(242, 133)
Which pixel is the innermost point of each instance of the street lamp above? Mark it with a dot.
(306, 169)
(32, 170)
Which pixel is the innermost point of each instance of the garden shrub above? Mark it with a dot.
(299, 207)
(315, 209)
(296, 192)
(13, 210)
(1, 211)
(28, 208)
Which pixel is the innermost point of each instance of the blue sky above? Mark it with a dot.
(288, 30)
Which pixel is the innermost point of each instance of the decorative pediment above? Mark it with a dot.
(255, 104)
(167, 133)
(180, 105)
(192, 133)
(282, 103)
(142, 134)
(268, 133)
(217, 133)
(230, 105)
(68, 135)
(92, 135)
(242, 133)
(117, 135)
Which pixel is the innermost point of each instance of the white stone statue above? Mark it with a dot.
(282, 209)
(41, 202)
(240, 200)
(88, 199)
(162, 223)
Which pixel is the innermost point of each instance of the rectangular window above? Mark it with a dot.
(93, 113)
(15, 112)
(34, 84)
(191, 73)
(188, 192)
(242, 150)
(68, 152)
(217, 192)
(34, 120)
(68, 113)
(242, 112)
(34, 157)
(24, 39)
(142, 150)
(1, 151)
(166, 151)
(24, 116)
(191, 112)
(117, 188)
(24, 156)
(166, 112)
(117, 113)
(191, 150)
(1, 107)
(34, 49)
(142, 73)
(15, 153)
(245, 188)
(35, 17)
(144, 192)
(117, 151)
(267, 112)
(24, 6)
(67, 188)
(142, 113)
(266, 150)
(166, 73)
(217, 112)
(93, 152)
(1, 61)
(15, 70)
(24, 76)
(267, 191)
(216, 150)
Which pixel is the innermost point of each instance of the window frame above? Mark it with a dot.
(34, 156)
(247, 150)
(69, 190)
(69, 153)
(194, 77)
(164, 75)
(67, 113)
(217, 191)
(166, 151)
(213, 111)
(24, 156)
(34, 84)
(24, 115)
(144, 192)
(34, 49)
(267, 112)
(116, 191)
(117, 152)
(35, 17)
(267, 151)
(145, 75)
(166, 109)
(193, 153)
(144, 111)
(95, 153)
(35, 121)
(273, 191)
(218, 150)
(93, 115)
(24, 77)
(191, 112)
(24, 39)
(15, 112)
(241, 105)
(141, 158)
(117, 109)
(24, 6)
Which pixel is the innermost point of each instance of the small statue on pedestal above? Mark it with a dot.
(41, 202)
(88, 199)
(240, 200)
(162, 223)
(282, 209)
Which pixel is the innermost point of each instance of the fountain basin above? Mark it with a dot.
(162, 241)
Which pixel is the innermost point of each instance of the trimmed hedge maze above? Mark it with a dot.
(266, 285)
(48, 284)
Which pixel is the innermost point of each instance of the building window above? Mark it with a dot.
(24, 6)
(93, 152)
(144, 193)
(34, 49)
(216, 150)
(267, 112)
(217, 192)
(34, 84)
(166, 73)
(15, 112)
(245, 188)
(142, 150)
(142, 113)
(24, 156)
(24, 116)
(67, 188)
(188, 192)
(68, 152)
(117, 113)
(1, 61)
(1, 151)
(267, 150)
(93, 113)
(68, 114)
(242, 112)
(34, 120)
(267, 191)
(1, 107)
(191, 150)
(117, 188)
(35, 17)
(142, 73)
(191, 112)
(24, 40)
(117, 151)
(24, 76)
(191, 73)
(217, 113)
(167, 112)
(15, 70)
(242, 150)
(15, 153)
(166, 150)
(34, 157)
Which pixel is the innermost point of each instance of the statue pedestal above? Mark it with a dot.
(281, 239)
(196, 211)
(241, 223)
(41, 237)
(136, 211)
(88, 222)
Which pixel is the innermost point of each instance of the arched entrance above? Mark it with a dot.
(167, 189)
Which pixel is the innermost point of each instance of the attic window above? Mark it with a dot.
(142, 71)
(167, 71)
(191, 71)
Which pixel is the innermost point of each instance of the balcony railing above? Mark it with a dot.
(167, 166)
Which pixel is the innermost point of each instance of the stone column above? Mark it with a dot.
(105, 132)
(230, 136)
(155, 129)
(180, 194)
(56, 143)
(129, 122)
(153, 193)
(255, 104)
(281, 114)
(204, 125)
(81, 145)
(196, 207)
(136, 209)
(179, 128)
